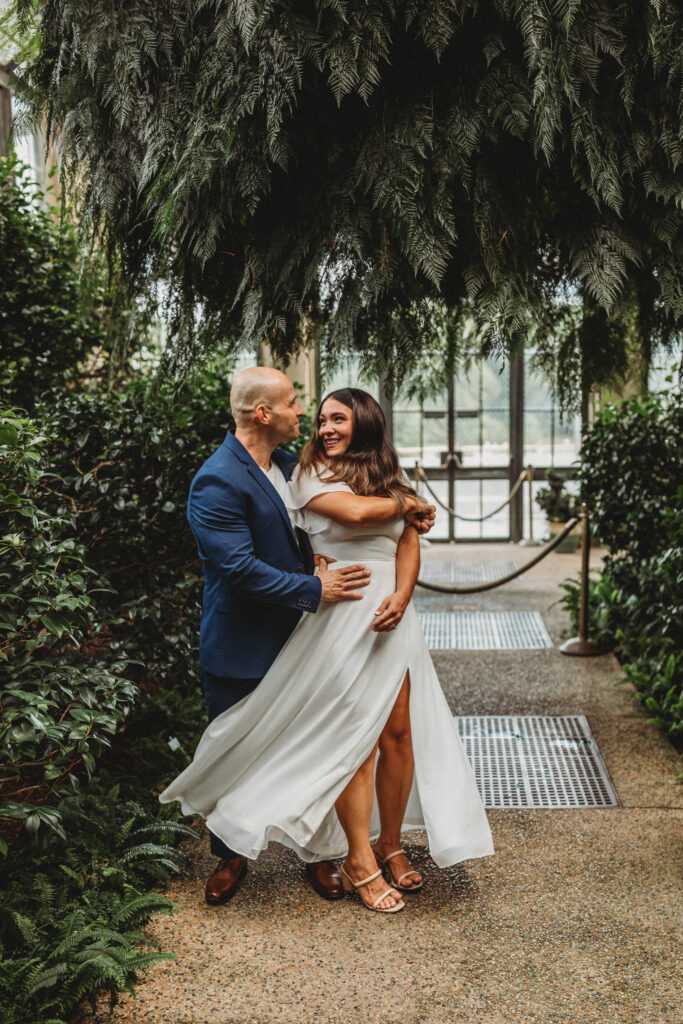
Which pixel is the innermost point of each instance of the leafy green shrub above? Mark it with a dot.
(557, 503)
(72, 908)
(630, 478)
(630, 471)
(99, 574)
(604, 607)
(73, 905)
(46, 328)
(59, 707)
(127, 471)
(634, 609)
(99, 614)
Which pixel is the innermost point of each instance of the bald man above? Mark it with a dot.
(258, 570)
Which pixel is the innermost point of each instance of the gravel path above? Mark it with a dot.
(575, 919)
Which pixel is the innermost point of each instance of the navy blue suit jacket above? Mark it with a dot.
(258, 572)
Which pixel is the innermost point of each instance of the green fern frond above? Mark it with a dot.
(48, 979)
(177, 828)
(138, 911)
(15, 928)
(149, 851)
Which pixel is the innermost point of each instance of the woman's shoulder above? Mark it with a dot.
(307, 482)
(316, 472)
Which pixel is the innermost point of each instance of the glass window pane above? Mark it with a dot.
(407, 432)
(538, 428)
(345, 375)
(440, 529)
(494, 493)
(496, 385)
(476, 498)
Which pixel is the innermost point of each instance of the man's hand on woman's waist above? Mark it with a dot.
(340, 584)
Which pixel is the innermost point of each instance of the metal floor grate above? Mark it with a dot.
(534, 761)
(465, 572)
(484, 631)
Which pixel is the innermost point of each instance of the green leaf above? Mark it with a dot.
(32, 823)
(8, 435)
(56, 623)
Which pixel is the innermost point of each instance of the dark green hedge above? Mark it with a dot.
(631, 477)
(46, 327)
(100, 591)
(99, 613)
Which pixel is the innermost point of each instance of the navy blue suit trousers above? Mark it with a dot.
(220, 693)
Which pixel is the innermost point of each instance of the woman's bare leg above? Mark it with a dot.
(354, 807)
(394, 781)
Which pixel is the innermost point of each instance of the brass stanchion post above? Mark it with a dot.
(580, 645)
(529, 541)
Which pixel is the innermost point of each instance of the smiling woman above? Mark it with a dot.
(349, 442)
(335, 426)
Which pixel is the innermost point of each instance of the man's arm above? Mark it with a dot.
(222, 532)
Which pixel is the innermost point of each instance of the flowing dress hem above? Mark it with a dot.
(242, 841)
(292, 801)
(239, 842)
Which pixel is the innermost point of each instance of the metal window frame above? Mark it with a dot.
(452, 472)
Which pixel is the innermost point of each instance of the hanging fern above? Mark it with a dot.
(273, 161)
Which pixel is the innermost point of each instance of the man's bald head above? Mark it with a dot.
(257, 385)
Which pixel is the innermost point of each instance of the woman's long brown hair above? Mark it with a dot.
(370, 464)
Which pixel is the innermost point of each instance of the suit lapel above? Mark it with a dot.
(264, 483)
(259, 477)
(287, 466)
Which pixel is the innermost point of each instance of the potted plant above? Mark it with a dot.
(559, 506)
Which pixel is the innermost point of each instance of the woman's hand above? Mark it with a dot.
(390, 612)
(420, 513)
(416, 503)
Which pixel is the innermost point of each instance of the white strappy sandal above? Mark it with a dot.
(350, 885)
(397, 884)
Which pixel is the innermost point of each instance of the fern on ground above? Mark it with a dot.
(74, 906)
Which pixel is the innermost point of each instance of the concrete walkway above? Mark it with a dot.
(575, 919)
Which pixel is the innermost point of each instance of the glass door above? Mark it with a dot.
(461, 438)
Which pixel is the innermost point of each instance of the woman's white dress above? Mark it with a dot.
(271, 767)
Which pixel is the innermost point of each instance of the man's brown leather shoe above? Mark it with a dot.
(325, 879)
(225, 881)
